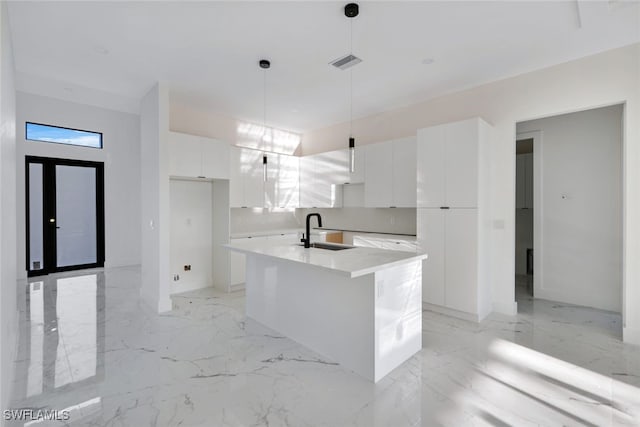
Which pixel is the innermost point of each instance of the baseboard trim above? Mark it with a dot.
(236, 287)
(631, 336)
(471, 317)
(510, 308)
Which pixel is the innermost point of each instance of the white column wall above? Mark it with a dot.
(154, 170)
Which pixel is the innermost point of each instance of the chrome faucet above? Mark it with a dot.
(307, 240)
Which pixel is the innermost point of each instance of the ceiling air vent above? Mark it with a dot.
(345, 62)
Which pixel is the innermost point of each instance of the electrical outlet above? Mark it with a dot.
(187, 267)
(176, 277)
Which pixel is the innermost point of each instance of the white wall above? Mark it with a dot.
(8, 284)
(384, 220)
(580, 260)
(604, 79)
(121, 157)
(154, 173)
(191, 233)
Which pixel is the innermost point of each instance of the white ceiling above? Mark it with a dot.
(113, 52)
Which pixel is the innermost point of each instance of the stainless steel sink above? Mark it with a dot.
(330, 246)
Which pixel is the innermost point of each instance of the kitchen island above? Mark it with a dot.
(360, 307)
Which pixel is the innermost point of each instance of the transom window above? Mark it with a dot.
(62, 135)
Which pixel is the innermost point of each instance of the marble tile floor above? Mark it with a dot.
(88, 346)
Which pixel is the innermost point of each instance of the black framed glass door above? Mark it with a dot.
(65, 215)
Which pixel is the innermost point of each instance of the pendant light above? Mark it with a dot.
(264, 64)
(351, 10)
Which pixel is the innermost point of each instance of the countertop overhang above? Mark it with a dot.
(353, 262)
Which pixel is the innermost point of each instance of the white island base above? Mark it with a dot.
(369, 324)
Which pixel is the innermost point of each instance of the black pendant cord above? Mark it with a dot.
(264, 104)
(351, 82)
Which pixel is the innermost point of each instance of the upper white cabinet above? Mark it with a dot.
(282, 185)
(378, 175)
(390, 174)
(447, 159)
(524, 181)
(320, 179)
(248, 187)
(198, 157)
(246, 183)
(404, 173)
(332, 167)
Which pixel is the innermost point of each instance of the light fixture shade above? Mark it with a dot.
(264, 168)
(352, 154)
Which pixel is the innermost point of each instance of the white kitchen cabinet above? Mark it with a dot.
(198, 157)
(390, 174)
(306, 177)
(318, 189)
(452, 224)
(447, 164)
(333, 166)
(461, 260)
(388, 242)
(270, 186)
(246, 181)
(248, 187)
(431, 240)
(461, 164)
(450, 274)
(404, 173)
(378, 178)
(430, 166)
(237, 264)
(288, 188)
(524, 181)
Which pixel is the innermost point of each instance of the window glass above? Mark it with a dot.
(60, 135)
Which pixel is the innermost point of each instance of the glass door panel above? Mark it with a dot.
(76, 219)
(36, 216)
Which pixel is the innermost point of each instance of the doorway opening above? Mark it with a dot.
(64, 215)
(569, 200)
(524, 216)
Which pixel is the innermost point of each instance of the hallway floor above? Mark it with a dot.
(88, 346)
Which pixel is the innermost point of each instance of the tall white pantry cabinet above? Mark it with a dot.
(452, 184)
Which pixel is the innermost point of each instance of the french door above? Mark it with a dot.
(65, 215)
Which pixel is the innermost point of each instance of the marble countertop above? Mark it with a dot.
(275, 232)
(354, 262)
